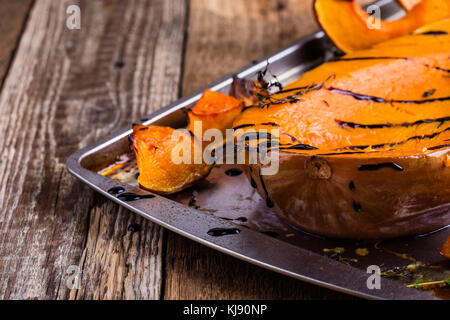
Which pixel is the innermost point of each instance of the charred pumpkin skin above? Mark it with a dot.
(153, 147)
(371, 153)
(346, 23)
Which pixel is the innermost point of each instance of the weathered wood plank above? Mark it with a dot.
(13, 16)
(65, 89)
(223, 36)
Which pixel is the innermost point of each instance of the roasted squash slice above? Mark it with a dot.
(408, 4)
(214, 110)
(159, 153)
(154, 145)
(352, 29)
(369, 156)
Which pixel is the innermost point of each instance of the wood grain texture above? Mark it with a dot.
(13, 16)
(222, 37)
(66, 89)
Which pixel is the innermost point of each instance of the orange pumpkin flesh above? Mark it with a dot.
(352, 29)
(445, 250)
(214, 110)
(153, 146)
(372, 141)
(408, 4)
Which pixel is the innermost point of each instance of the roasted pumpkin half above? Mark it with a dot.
(351, 28)
(156, 149)
(370, 141)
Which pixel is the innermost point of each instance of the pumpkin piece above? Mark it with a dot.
(370, 138)
(445, 250)
(155, 148)
(351, 28)
(214, 110)
(408, 4)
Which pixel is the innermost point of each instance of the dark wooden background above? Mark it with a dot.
(63, 89)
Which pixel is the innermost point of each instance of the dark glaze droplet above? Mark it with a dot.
(269, 202)
(434, 33)
(133, 197)
(270, 233)
(241, 219)
(357, 206)
(253, 183)
(134, 227)
(428, 93)
(378, 166)
(219, 232)
(116, 190)
(351, 186)
(233, 172)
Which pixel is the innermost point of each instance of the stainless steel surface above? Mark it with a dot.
(293, 252)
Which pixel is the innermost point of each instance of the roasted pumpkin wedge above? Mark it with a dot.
(408, 4)
(156, 149)
(214, 110)
(351, 28)
(370, 141)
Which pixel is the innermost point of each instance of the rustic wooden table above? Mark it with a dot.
(63, 89)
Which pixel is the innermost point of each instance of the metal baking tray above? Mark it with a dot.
(229, 202)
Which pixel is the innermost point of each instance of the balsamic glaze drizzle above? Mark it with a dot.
(299, 146)
(343, 153)
(357, 206)
(269, 202)
(359, 96)
(381, 145)
(439, 147)
(429, 93)
(378, 166)
(268, 100)
(270, 233)
(351, 186)
(354, 125)
(219, 232)
(272, 124)
(116, 190)
(244, 126)
(433, 33)
(233, 172)
(133, 197)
